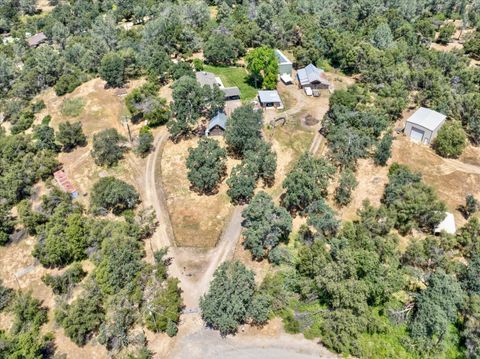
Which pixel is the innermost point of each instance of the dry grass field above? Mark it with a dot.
(197, 220)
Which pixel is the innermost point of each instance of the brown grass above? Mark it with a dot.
(197, 220)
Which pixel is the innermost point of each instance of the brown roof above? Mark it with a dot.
(36, 39)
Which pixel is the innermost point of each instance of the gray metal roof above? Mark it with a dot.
(269, 96)
(220, 120)
(282, 59)
(427, 118)
(205, 78)
(311, 74)
(231, 91)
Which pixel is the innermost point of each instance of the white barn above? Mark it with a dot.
(423, 125)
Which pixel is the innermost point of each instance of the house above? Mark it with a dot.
(423, 125)
(270, 99)
(313, 77)
(208, 79)
(284, 64)
(65, 183)
(37, 39)
(217, 125)
(447, 225)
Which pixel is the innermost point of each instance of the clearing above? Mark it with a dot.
(197, 220)
(234, 76)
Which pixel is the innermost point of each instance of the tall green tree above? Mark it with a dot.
(107, 147)
(206, 165)
(112, 69)
(306, 182)
(243, 130)
(71, 135)
(112, 194)
(265, 224)
(263, 66)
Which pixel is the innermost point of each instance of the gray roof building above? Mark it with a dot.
(270, 98)
(284, 64)
(231, 92)
(312, 76)
(36, 39)
(423, 125)
(217, 124)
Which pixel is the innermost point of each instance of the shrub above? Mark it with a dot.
(63, 283)
(451, 140)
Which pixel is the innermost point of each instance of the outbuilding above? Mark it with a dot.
(285, 66)
(270, 99)
(423, 125)
(217, 125)
(313, 77)
(36, 40)
(447, 225)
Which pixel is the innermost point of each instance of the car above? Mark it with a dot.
(308, 91)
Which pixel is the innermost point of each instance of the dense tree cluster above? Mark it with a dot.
(233, 299)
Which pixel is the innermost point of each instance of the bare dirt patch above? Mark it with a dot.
(452, 179)
(197, 220)
(371, 184)
(103, 109)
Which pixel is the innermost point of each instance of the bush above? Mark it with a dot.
(28, 312)
(66, 84)
(445, 34)
(112, 69)
(451, 140)
(145, 142)
(63, 283)
(71, 135)
(111, 194)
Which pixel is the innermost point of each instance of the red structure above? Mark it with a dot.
(65, 183)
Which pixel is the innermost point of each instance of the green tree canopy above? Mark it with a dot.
(266, 225)
(263, 66)
(451, 140)
(243, 130)
(107, 147)
(112, 194)
(206, 165)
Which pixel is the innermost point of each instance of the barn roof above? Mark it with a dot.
(310, 74)
(427, 118)
(269, 96)
(220, 120)
(231, 91)
(282, 59)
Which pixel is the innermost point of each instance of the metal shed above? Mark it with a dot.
(423, 125)
(270, 99)
(285, 66)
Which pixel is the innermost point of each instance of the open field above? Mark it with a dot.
(197, 220)
(234, 76)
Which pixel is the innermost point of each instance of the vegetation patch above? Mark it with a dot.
(234, 76)
(72, 107)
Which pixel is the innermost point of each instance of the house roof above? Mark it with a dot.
(282, 59)
(231, 91)
(220, 120)
(310, 74)
(447, 225)
(36, 39)
(205, 78)
(427, 118)
(268, 96)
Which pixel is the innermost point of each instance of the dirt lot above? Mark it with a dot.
(197, 220)
(103, 109)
